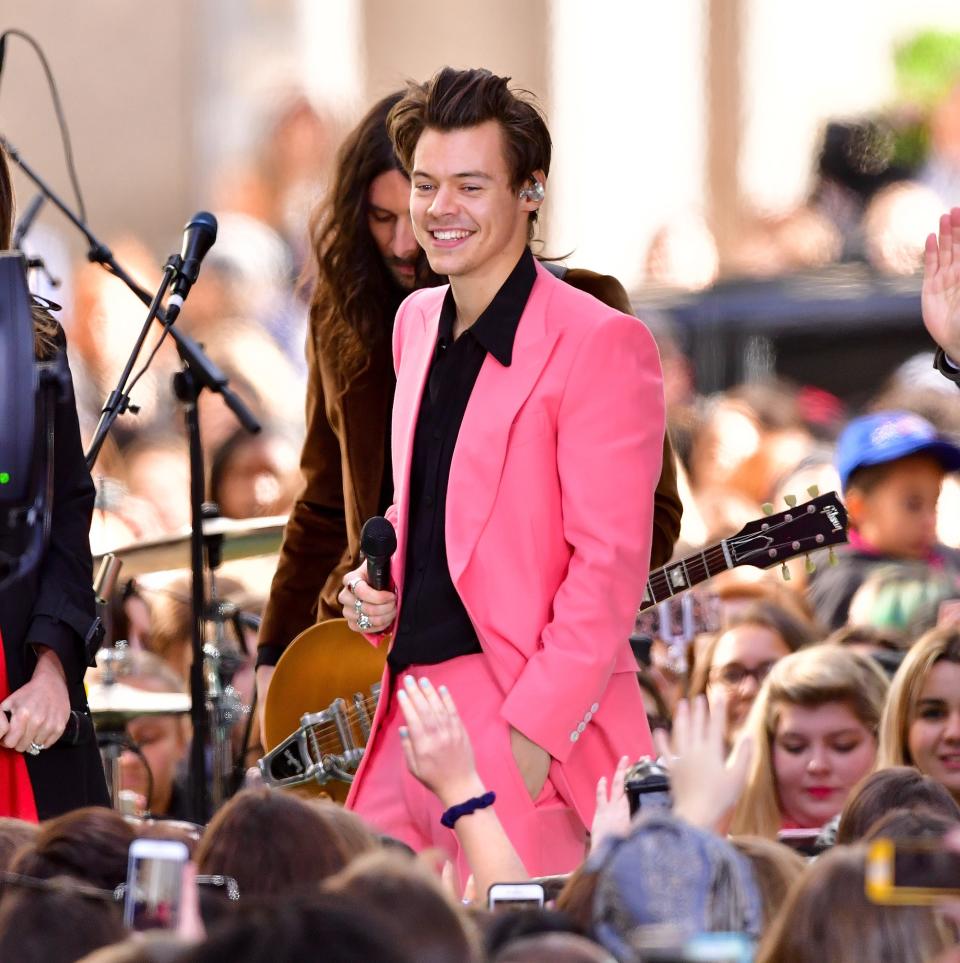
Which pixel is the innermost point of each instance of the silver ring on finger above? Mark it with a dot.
(358, 607)
(35, 748)
(364, 623)
(352, 585)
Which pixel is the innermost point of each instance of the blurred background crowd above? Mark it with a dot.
(762, 180)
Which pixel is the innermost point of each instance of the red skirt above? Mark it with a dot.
(16, 793)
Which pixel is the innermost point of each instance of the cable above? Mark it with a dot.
(58, 108)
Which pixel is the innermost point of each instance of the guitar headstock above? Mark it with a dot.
(818, 523)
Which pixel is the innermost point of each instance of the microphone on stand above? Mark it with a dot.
(378, 542)
(199, 235)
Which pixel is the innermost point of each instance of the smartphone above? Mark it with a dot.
(914, 872)
(154, 875)
(802, 841)
(515, 896)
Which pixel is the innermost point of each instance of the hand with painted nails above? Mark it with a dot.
(612, 815)
(435, 743)
(940, 297)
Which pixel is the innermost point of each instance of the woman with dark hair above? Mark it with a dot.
(887, 790)
(273, 843)
(736, 662)
(48, 624)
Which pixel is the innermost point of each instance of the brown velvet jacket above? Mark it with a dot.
(343, 465)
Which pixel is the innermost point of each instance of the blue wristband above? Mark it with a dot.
(466, 808)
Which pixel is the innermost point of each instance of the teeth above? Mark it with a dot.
(450, 235)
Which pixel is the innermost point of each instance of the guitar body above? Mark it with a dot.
(324, 663)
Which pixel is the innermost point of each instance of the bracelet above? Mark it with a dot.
(466, 808)
(946, 365)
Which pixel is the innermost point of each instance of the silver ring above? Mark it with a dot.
(353, 585)
(358, 607)
(363, 623)
(35, 748)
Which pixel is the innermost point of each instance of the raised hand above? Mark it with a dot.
(612, 815)
(705, 784)
(435, 743)
(940, 298)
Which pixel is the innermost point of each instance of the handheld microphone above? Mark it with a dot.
(378, 541)
(199, 235)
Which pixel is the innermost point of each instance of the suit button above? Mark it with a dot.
(581, 727)
(574, 736)
(595, 707)
(588, 717)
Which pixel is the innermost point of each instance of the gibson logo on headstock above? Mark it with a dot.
(831, 512)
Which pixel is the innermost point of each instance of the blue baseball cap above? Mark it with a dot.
(888, 435)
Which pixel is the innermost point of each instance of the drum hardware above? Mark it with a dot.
(324, 748)
(240, 539)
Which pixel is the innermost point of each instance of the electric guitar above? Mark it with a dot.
(328, 665)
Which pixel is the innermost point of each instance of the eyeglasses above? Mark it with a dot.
(734, 674)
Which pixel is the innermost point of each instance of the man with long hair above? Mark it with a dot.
(527, 441)
(367, 260)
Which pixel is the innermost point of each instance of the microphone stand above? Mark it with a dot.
(206, 372)
(198, 372)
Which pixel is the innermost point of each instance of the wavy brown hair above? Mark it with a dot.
(45, 328)
(355, 297)
(453, 99)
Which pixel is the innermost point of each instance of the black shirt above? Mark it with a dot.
(434, 625)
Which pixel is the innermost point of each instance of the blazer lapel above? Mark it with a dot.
(484, 434)
(418, 353)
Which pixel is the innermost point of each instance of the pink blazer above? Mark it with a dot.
(549, 517)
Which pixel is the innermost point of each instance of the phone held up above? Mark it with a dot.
(154, 877)
(513, 897)
(915, 872)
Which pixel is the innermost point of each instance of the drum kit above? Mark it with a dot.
(114, 703)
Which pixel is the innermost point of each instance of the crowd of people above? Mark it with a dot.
(798, 712)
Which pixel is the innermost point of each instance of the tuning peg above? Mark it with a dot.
(785, 572)
(791, 501)
(810, 565)
(831, 557)
(813, 491)
(767, 508)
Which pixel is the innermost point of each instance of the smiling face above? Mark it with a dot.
(467, 215)
(388, 218)
(819, 754)
(933, 738)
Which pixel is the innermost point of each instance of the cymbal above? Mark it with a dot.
(116, 702)
(242, 538)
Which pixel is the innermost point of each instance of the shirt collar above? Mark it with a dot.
(496, 329)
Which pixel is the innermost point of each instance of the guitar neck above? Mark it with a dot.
(664, 583)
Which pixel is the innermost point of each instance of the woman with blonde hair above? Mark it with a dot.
(921, 721)
(814, 732)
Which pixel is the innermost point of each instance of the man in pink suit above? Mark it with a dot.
(526, 440)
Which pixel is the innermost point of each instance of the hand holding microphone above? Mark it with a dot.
(368, 603)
